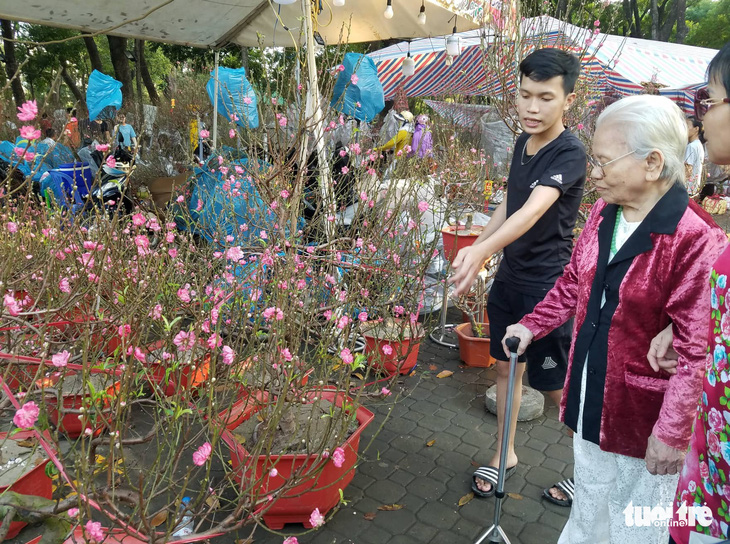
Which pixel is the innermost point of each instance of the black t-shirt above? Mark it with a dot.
(534, 261)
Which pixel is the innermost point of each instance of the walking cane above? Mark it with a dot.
(495, 532)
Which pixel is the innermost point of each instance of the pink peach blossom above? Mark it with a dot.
(202, 454)
(93, 529)
(28, 132)
(60, 359)
(346, 356)
(28, 111)
(26, 416)
(338, 457)
(228, 355)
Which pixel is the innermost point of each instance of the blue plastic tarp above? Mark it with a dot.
(101, 92)
(235, 96)
(217, 213)
(362, 100)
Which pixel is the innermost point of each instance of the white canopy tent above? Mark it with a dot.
(213, 23)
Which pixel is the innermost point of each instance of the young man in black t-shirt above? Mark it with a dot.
(534, 226)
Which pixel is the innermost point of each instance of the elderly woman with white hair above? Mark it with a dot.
(640, 263)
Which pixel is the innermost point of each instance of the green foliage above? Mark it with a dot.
(709, 23)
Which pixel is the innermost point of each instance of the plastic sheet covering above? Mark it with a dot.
(234, 92)
(362, 100)
(101, 92)
(497, 138)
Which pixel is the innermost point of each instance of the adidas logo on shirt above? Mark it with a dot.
(558, 178)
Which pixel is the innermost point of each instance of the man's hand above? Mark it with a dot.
(662, 459)
(466, 266)
(661, 353)
(521, 332)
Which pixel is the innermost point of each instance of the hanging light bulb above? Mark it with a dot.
(422, 14)
(388, 13)
(284, 2)
(338, 3)
(409, 66)
(449, 60)
(452, 43)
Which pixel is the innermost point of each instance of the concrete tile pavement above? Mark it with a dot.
(400, 468)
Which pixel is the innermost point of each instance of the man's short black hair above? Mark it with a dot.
(50, 133)
(551, 62)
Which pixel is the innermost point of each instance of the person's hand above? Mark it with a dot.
(466, 266)
(662, 459)
(661, 353)
(521, 332)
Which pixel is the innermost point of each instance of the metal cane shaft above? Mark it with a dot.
(495, 532)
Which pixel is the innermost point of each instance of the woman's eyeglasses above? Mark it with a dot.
(703, 102)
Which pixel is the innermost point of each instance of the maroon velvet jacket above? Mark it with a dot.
(660, 275)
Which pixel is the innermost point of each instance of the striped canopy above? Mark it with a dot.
(613, 64)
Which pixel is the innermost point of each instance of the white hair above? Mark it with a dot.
(649, 123)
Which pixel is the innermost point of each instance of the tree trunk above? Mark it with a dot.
(681, 20)
(146, 77)
(78, 95)
(654, 20)
(11, 63)
(93, 54)
(637, 19)
(117, 50)
(665, 30)
(561, 9)
(244, 59)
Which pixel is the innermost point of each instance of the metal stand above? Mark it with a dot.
(495, 532)
(439, 333)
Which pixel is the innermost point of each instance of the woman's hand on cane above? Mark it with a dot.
(521, 332)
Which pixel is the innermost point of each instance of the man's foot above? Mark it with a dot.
(485, 486)
(490, 476)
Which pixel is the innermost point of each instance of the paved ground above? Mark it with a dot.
(429, 481)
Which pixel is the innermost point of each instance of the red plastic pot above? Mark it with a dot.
(403, 354)
(321, 490)
(111, 536)
(35, 482)
(161, 374)
(474, 351)
(456, 237)
(70, 424)
(21, 370)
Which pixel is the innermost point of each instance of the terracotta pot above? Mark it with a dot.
(456, 237)
(479, 319)
(322, 490)
(35, 482)
(473, 351)
(403, 354)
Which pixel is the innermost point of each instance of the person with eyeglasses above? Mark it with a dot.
(638, 265)
(705, 475)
